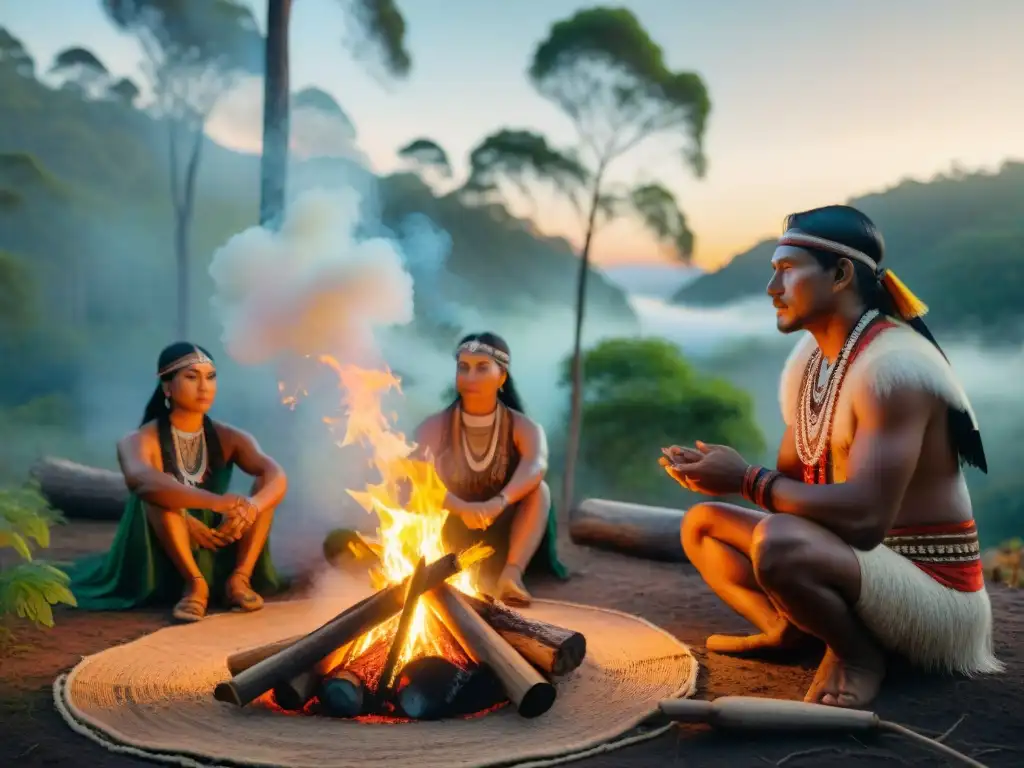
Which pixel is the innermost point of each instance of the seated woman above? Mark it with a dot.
(181, 530)
(493, 460)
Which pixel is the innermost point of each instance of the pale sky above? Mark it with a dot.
(813, 101)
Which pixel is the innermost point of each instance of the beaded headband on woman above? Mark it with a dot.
(475, 347)
(906, 303)
(195, 357)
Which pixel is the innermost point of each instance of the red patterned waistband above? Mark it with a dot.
(948, 552)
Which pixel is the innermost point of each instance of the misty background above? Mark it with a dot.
(391, 269)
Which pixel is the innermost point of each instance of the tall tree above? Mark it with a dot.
(610, 78)
(429, 158)
(195, 51)
(379, 30)
(13, 54)
(79, 68)
(124, 91)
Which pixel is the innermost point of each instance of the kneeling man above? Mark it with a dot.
(867, 539)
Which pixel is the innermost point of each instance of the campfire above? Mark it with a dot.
(429, 642)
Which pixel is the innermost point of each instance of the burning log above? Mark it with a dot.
(531, 693)
(412, 597)
(293, 694)
(241, 661)
(552, 649)
(302, 655)
(342, 694)
(429, 687)
(632, 529)
(348, 689)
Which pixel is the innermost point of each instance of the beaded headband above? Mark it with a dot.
(907, 305)
(192, 358)
(800, 239)
(480, 348)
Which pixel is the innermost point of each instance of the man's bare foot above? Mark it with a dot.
(511, 589)
(785, 638)
(852, 684)
(825, 679)
(192, 606)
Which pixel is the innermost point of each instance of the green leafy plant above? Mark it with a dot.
(30, 588)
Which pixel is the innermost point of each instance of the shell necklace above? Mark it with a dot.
(190, 455)
(492, 420)
(818, 397)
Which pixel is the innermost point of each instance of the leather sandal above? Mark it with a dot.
(191, 607)
(511, 589)
(239, 593)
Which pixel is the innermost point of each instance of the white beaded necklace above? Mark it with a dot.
(469, 420)
(190, 455)
(814, 425)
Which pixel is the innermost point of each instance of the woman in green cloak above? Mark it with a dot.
(182, 532)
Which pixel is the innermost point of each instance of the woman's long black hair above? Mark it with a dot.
(852, 228)
(157, 410)
(507, 395)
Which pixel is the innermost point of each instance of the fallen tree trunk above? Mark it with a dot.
(79, 491)
(631, 529)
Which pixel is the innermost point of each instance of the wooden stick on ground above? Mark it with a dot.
(347, 626)
(526, 688)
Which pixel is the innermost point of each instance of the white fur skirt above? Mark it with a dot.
(933, 626)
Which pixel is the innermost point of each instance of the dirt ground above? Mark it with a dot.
(672, 596)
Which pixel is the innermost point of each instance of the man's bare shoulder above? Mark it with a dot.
(896, 404)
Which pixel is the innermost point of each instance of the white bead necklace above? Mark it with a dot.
(818, 400)
(469, 420)
(190, 455)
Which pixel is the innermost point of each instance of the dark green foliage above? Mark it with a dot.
(641, 395)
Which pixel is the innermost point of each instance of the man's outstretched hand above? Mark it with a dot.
(713, 470)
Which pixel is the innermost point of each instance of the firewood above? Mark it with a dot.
(412, 597)
(342, 694)
(348, 689)
(429, 687)
(526, 688)
(242, 660)
(552, 649)
(347, 626)
(293, 693)
(632, 529)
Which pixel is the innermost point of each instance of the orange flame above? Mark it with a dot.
(408, 500)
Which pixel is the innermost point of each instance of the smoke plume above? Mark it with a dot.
(313, 288)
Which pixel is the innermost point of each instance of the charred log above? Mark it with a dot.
(526, 688)
(352, 623)
(552, 649)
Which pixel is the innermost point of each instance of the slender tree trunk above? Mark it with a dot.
(572, 447)
(183, 194)
(276, 129)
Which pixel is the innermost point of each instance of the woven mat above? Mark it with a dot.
(153, 698)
